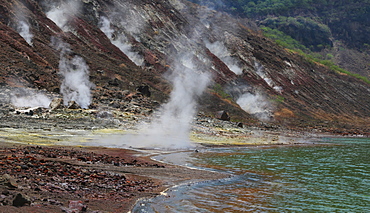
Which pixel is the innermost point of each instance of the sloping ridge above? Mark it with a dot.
(299, 93)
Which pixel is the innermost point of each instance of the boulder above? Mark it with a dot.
(56, 103)
(223, 115)
(144, 90)
(21, 200)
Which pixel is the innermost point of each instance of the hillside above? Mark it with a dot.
(330, 30)
(181, 52)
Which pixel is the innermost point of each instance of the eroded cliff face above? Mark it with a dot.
(127, 44)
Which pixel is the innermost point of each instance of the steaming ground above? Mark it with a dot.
(62, 14)
(23, 29)
(76, 85)
(91, 127)
(219, 50)
(170, 126)
(120, 41)
(25, 97)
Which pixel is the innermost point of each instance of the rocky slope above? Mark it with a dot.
(127, 45)
(330, 30)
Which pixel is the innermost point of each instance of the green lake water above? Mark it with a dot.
(334, 177)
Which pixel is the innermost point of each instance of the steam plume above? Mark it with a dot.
(219, 50)
(260, 71)
(121, 42)
(62, 14)
(257, 105)
(22, 23)
(76, 84)
(24, 30)
(172, 126)
(29, 98)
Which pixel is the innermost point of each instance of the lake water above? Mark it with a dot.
(334, 177)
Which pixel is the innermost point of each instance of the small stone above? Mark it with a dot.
(77, 206)
(30, 113)
(24, 167)
(104, 114)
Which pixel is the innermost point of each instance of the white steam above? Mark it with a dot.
(260, 71)
(29, 98)
(134, 19)
(256, 105)
(24, 30)
(76, 85)
(121, 42)
(171, 127)
(62, 14)
(105, 27)
(22, 25)
(219, 50)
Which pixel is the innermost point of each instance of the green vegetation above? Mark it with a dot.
(307, 26)
(347, 20)
(218, 89)
(290, 43)
(308, 32)
(279, 99)
(336, 68)
(283, 39)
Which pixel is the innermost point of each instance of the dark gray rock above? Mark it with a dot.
(21, 200)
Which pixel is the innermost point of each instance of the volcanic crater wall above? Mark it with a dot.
(279, 86)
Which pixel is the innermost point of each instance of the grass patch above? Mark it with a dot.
(293, 45)
(218, 89)
(336, 68)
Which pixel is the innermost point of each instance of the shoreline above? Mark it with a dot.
(224, 174)
(152, 177)
(149, 178)
(67, 148)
